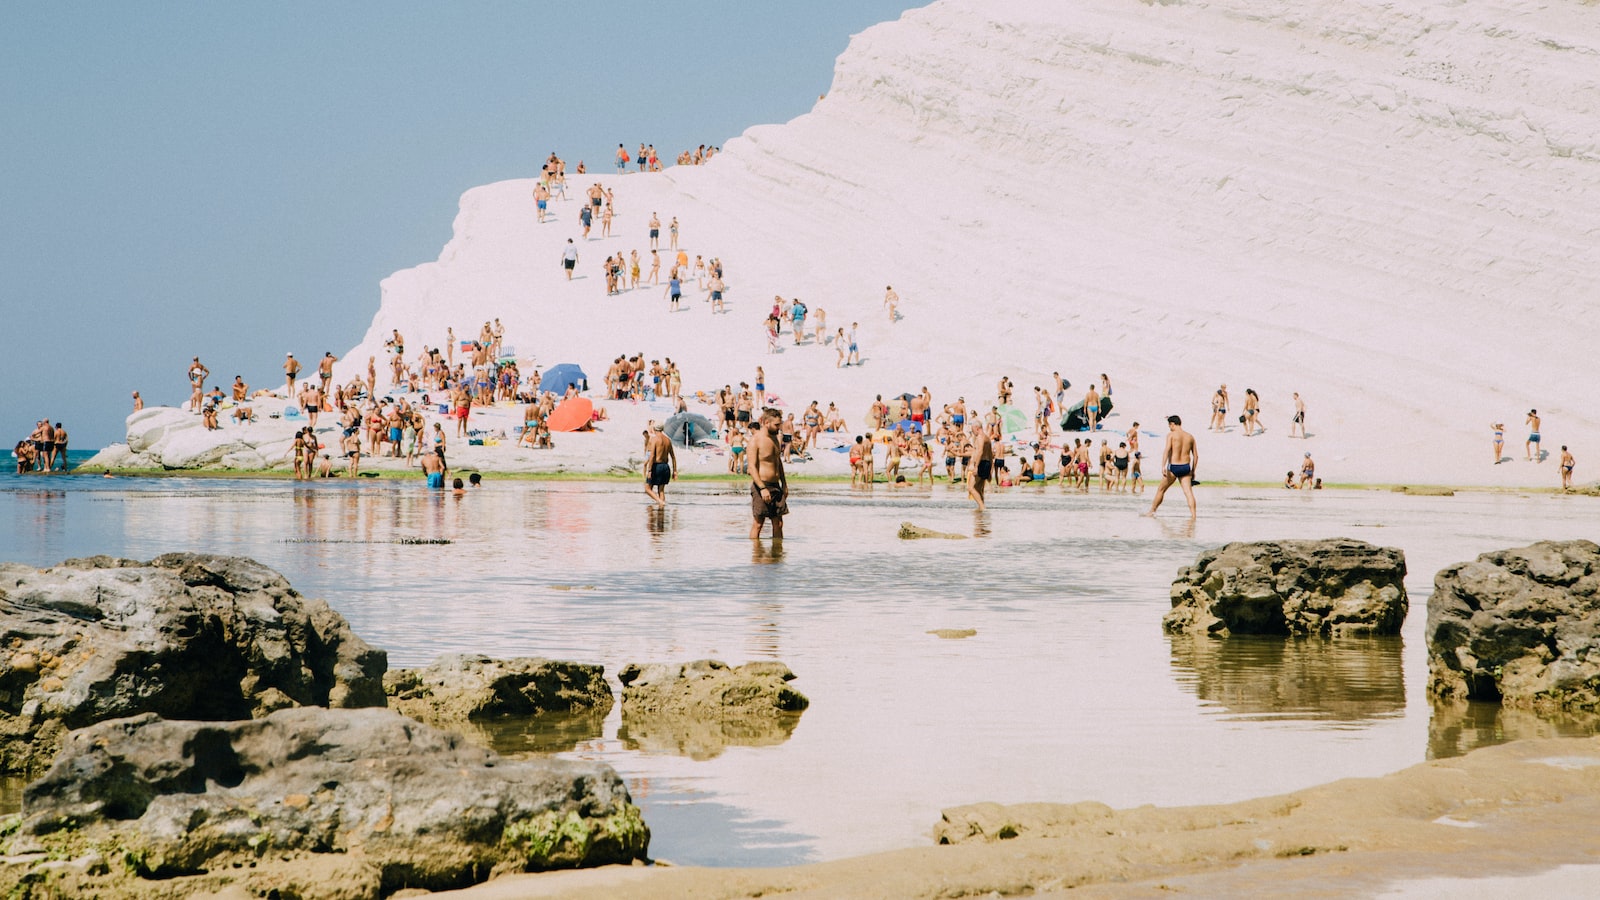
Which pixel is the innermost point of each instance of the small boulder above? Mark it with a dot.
(910, 532)
(710, 689)
(185, 636)
(410, 806)
(1328, 588)
(463, 687)
(1521, 626)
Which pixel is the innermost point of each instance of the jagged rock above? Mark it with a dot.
(1328, 588)
(399, 804)
(463, 687)
(1521, 626)
(909, 532)
(710, 689)
(185, 636)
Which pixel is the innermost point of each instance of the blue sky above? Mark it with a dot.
(233, 180)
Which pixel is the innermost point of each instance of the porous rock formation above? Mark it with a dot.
(463, 687)
(1521, 626)
(701, 708)
(1328, 588)
(710, 689)
(184, 636)
(306, 802)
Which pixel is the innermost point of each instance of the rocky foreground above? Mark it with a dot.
(206, 727)
(308, 803)
(184, 636)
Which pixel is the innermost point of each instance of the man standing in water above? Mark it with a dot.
(983, 456)
(769, 486)
(1179, 459)
(660, 464)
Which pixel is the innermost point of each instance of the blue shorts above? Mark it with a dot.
(394, 435)
(436, 479)
(543, 204)
(1533, 438)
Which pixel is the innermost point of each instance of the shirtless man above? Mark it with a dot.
(655, 233)
(1567, 462)
(1308, 471)
(325, 369)
(541, 197)
(1299, 421)
(1091, 407)
(138, 402)
(1179, 460)
(434, 468)
(1061, 385)
(854, 358)
(919, 411)
(983, 456)
(769, 486)
(291, 368)
(311, 402)
(1532, 445)
(891, 300)
(660, 464)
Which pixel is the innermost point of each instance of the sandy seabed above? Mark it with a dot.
(1514, 812)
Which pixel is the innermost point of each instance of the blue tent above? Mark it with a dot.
(561, 376)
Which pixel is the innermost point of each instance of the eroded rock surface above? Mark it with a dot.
(184, 636)
(374, 799)
(710, 689)
(1329, 588)
(463, 687)
(1521, 626)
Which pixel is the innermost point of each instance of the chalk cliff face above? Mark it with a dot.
(1388, 208)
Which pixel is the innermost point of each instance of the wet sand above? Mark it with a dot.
(1517, 809)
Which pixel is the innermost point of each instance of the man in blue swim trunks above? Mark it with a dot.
(1532, 446)
(660, 464)
(433, 467)
(1179, 459)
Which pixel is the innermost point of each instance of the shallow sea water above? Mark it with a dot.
(1069, 690)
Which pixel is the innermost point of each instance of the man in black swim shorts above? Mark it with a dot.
(983, 452)
(660, 464)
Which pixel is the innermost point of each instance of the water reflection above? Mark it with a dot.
(700, 738)
(1458, 728)
(1258, 677)
(766, 553)
(550, 732)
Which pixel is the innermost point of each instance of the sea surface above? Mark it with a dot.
(1068, 691)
